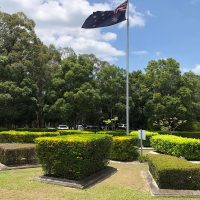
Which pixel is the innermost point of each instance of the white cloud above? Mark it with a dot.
(59, 22)
(109, 36)
(140, 53)
(135, 18)
(196, 69)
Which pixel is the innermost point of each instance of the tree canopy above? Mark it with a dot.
(41, 85)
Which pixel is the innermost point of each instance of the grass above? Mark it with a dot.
(126, 184)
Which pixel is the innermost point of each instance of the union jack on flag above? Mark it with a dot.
(123, 6)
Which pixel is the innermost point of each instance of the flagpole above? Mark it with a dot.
(127, 71)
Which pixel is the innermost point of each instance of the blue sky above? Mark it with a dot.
(159, 29)
(172, 30)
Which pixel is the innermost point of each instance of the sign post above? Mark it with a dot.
(141, 136)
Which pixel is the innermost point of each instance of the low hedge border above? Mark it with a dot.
(17, 154)
(174, 173)
(23, 136)
(37, 129)
(149, 134)
(187, 134)
(124, 148)
(113, 133)
(177, 146)
(72, 132)
(73, 156)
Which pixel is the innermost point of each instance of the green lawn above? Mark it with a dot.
(126, 184)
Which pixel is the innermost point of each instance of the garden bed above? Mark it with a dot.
(17, 154)
(174, 173)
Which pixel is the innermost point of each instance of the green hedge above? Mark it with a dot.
(23, 137)
(73, 156)
(113, 133)
(4, 129)
(17, 154)
(174, 173)
(177, 146)
(124, 148)
(188, 134)
(71, 132)
(36, 129)
(149, 134)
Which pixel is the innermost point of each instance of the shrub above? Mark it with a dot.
(124, 148)
(196, 126)
(71, 132)
(36, 129)
(113, 133)
(177, 146)
(73, 156)
(174, 173)
(17, 154)
(23, 137)
(188, 134)
(3, 129)
(146, 143)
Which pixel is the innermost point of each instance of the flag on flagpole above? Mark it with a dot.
(106, 18)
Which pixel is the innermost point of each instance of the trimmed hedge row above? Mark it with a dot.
(174, 173)
(149, 134)
(177, 146)
(187, 134)
(37, 129)
(74, 156)
(72, 132)
(23, 137)
(124, 148)
(113, 133)
(17, 154)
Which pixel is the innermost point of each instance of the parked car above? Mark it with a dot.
(62, 127)
(122, 126)
(79, 127)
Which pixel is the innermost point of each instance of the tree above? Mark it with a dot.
(26, 66)
(168, 98)
(111, 84)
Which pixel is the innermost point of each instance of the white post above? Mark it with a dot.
(127, 72)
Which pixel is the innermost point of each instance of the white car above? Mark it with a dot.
(122, 126)
(62, 127)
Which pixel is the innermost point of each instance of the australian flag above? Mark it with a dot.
(106, 18)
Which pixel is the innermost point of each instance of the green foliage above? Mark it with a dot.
(113, 133)
(23, 136)
(17, 154)
(38, 88)
(174, 173)
(187, 134)
(36, 129)
(170, 124)
(71, 132)
(149, 134)
(74, 156)
(177, 146)
(124, 148)
(111, 122)
(26, 67)
(196, 126)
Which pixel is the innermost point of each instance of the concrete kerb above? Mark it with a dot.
(85, 183)
(156, 191)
